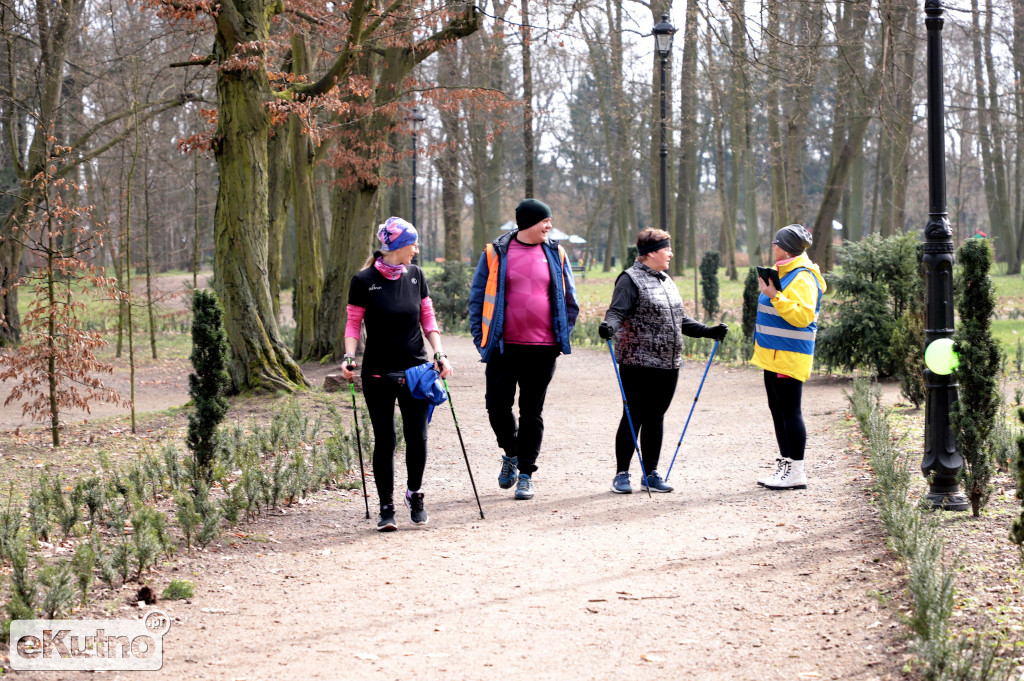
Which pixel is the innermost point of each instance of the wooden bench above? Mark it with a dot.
(579, 272)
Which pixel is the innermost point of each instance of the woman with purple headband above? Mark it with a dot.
(390, 296)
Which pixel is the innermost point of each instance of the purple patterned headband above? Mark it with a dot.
(396, 233)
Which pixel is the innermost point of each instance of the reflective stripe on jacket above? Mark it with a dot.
(487, 296)
(797, 304)
(773, 332)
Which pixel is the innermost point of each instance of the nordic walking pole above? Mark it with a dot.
(359, 445)
(464, 455)
(708, 366)
(629, 418)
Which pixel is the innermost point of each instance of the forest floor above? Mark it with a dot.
(719, 580)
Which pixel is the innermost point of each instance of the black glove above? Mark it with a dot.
(605, 331)
(718, 332)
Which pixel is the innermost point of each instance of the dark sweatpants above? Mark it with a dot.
(649, 393)
(784, 395)
(531, 368)
(381, 394)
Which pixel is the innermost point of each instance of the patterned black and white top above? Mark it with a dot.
(647, 313)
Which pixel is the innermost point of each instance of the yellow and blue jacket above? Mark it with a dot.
(786, 325)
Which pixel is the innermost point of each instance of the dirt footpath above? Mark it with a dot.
(719, 580)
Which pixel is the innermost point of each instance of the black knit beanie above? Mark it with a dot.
(793, 239)
(531, 211)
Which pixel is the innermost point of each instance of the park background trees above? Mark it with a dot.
(269, 137)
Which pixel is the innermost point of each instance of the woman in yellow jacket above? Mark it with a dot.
(784, 347)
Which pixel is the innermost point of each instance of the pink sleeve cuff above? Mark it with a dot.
(355, 320)
(427, 319)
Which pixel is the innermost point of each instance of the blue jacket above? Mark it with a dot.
(564, 307)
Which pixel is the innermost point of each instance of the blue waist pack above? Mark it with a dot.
(425, 384)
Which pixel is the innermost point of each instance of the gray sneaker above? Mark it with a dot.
(418, 514)
(386, 520)
(509, 468)
(656, 483)
(524, 488)
(620, 485)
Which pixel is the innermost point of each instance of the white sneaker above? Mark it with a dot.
(792, 477)
(774, 476)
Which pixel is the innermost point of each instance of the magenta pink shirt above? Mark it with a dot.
(527, 296)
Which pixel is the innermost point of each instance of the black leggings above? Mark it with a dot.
(380, 395)
(784, 395)
(531, 368)
(649, 393)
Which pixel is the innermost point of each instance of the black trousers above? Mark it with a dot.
(531, 368)
(381, 395)
(784, 396)
(649, 393)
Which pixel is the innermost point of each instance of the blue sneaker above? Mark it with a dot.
(524, 489)
(509, 468)
(656, 483)
(620, 485)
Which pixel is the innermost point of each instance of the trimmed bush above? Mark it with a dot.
(709, 265)
(210, 382)
(974, 414)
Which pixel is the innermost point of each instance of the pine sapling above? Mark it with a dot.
(189, 520)
(58, 582)
(146, 543)
(84, 566)
(10, 529)
(22, 604)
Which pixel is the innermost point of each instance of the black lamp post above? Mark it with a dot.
(941, 463)
(416, 118)
(663, 32)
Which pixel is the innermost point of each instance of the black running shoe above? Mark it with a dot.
(417, 513)
(386, 521)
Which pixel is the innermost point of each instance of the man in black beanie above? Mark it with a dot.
(522, 309)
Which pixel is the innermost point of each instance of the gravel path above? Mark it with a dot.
(719, 580)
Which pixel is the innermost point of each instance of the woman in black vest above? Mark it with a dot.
(646, 315)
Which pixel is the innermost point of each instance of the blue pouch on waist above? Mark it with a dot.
(425, 384)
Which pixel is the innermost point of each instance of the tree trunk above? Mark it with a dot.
(448, 162)
(259, 361)
(852, 115)
(309, 272)
(56, 26)
(1006, 245)
(805, 64)
(659, 7)
(685, 233)
(354, 201)
(855, 217)
(529, 153)
(487, 161)
(776, 141)
(279, 188)
(993, 193)
(726, 197)
(743, 144)
(1018, 67)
